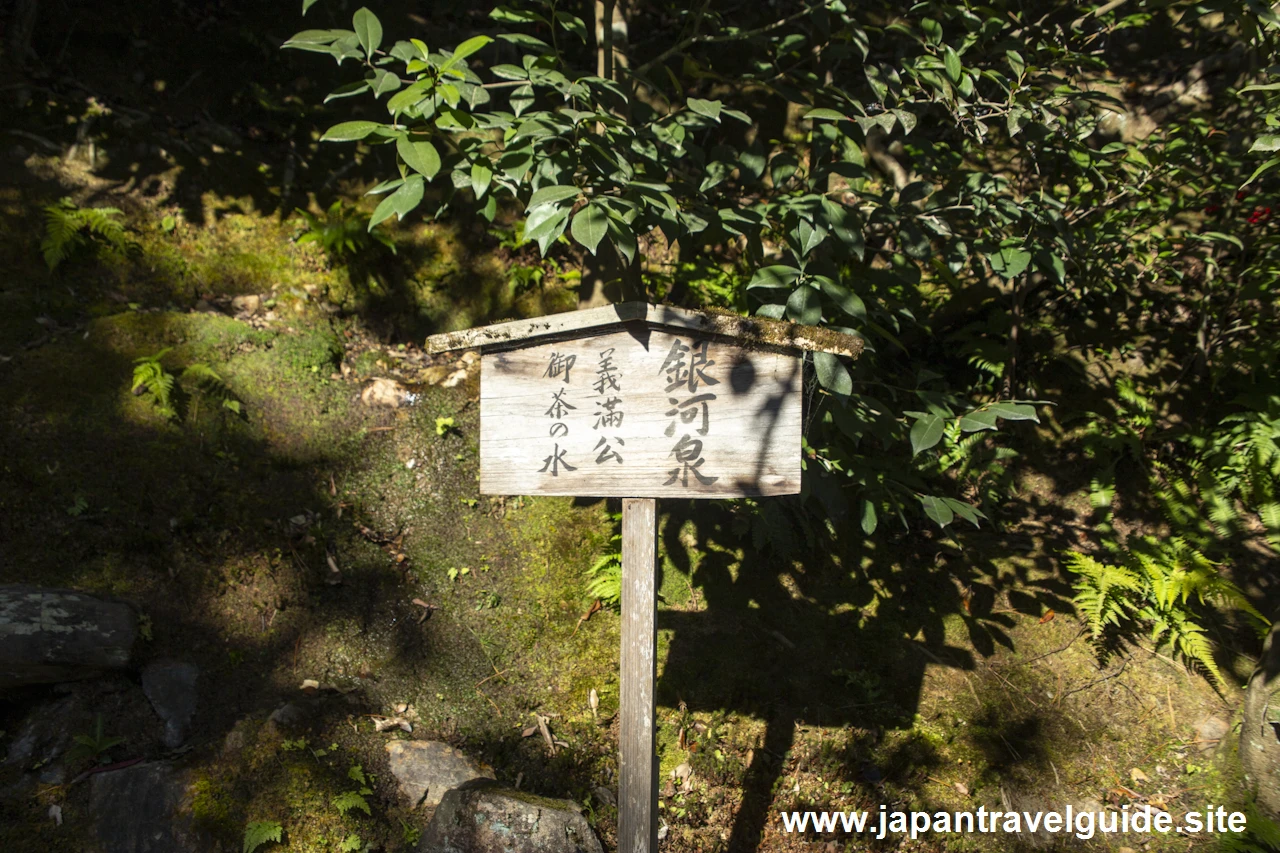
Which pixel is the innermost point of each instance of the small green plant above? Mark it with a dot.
(444, 426)
(351, 844)
(94, 746)
(69, 228)
(354, 800)
(342, 231)
(78, 507)
(260, 832)
(409, 834)
(1154, 587)
(604, 578)
(152, 380)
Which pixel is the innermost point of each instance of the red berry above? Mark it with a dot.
(1241, 195)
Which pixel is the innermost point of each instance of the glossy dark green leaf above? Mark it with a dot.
(844, 298)
(710, 109)
(481, 178)
(368, 30)
(383, 82)
(551, 195)
(978, 421)
(422, 157)
(804, 306)
(867, 516)
(926, 432)
(400, 202)
(826, 114)
(776, 276)
(1010, 261)
(952, 61)
(968, 513)
(307, 4)
(589, 226)
(1014, 411)
(349, 131)
(832, 374)
(937, 510)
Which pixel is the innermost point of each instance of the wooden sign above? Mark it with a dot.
(641, 401)
(640, 413)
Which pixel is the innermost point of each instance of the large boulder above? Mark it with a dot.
(140, 809)
(481, 817)
(426, 769)
(52, 635)
(1260, 731)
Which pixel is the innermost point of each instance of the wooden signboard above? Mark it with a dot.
(641, 401)
(640, 414)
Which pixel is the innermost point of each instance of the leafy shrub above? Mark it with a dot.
(341, 231)
(94, 745)
(68, 228)
(1153, 588)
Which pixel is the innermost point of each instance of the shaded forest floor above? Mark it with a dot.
(921, 672)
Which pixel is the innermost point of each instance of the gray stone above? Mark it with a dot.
(1260, 730)
(171, 689)
(481, 817)
(426, 769)
(289, 717)
(52, 635)
(139, 810)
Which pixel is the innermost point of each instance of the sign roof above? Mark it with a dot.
(752, 332)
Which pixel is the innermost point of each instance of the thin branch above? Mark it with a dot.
(682, 45)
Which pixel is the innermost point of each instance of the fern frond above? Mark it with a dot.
(351, 801)
(258, 833)
(1103, 591)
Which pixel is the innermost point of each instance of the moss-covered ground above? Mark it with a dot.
(915, 672)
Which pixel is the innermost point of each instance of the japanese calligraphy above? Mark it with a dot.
(560, 364)
(688, 454)
(608, 404)
(687, 365)
(685, 368)
(608, 452)
(555, 462)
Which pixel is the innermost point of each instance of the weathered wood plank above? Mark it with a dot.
(640, 415)
(638, 766)
(757, 332)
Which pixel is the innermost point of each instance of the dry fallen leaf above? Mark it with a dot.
(382, 724)
(309, 685)
(962, 789)
(529, 731)
(1047, 617)
(1138, 776)
(593, 699)
(546, 732)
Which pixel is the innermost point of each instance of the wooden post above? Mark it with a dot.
(638, 785)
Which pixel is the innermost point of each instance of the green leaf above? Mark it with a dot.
(977, 421)
(926, 432)
(1266, 142)
(867, 516)
(552, 195)
(937, 509)
(464, 50)
(349, 131)
(422, 157)
(962, 509)
(400, 202)
(545, 225)
(481, 178)
(589, 226)
(1014, 411)
(384, 81)
(804, 306)
(952, 60)
(1010, 261)
(710, 109)
(832, 374)
(776, 276)
(368, 30)
(844, 298)
(827, 114)
(307, 4)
